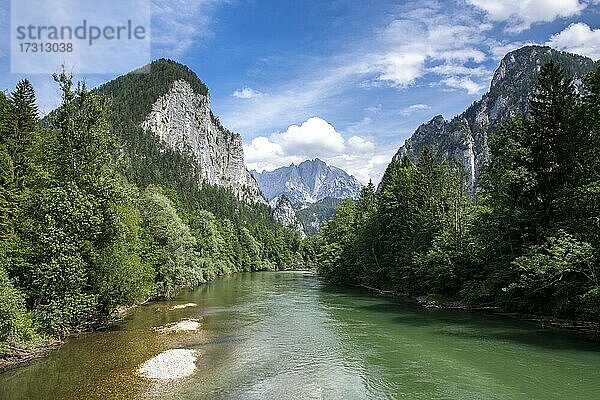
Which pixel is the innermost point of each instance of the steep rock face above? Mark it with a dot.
(307, 183)
(285, 215)
(183, 120)
(465, 138)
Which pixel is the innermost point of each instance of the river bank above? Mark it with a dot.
(291, 335)
(21, 356)
(588, 328)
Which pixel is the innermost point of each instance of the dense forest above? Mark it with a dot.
(96, 215)
(530, 239)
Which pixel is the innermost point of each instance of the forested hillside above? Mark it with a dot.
(529, 243)
(96, 214)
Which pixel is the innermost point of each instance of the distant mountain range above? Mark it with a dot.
(307, 183)
(313, 188)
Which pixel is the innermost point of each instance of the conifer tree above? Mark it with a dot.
(24, 119)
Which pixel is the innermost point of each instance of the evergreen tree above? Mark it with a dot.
(86, 143)
(24, 117)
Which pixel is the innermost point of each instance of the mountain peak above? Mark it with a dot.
(307, 183)
(465, 138)
(518, 69)
(285, 215)
(167, 102)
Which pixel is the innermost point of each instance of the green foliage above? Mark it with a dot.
(337, 244)
(79, 239)
(318, 212)
(532, 242)
(84, 139)
(169, 246)
(23, 118)
(16, 325)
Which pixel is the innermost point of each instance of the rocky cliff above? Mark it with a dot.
(464, 139)
(164, 108)
(307, 183)
(285, 215)
(183, 119)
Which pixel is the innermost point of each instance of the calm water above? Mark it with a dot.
(290, 336)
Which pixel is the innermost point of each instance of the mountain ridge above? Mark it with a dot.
(307, 183)
(464, 138)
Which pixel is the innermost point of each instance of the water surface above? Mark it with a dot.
(290, 336)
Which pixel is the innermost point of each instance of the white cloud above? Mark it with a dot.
(400, 69)
(316, 137)
(178, 24)
(358, 144)
(247, 93)
(464, 83)
(414, 108)
(375, 109)
(521, 14)
(424, 37)
(578, 38)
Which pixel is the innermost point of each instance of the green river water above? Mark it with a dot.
(288, 335)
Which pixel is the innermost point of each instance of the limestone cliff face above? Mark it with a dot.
(183, 120)
(285, 215)
(465, 138)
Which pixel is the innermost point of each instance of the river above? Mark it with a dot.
(288, 335)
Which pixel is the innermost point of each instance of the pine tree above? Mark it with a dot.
(85, 140)
(552, 109)
(22, 130)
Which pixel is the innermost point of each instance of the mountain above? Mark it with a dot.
(464, 138)
(285, 215)
(307, 183)
(313, 216)
(166, 102)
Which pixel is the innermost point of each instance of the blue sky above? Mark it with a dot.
(345, 81)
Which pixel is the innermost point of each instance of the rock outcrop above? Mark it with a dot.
(465, 138)
(183, 120)
(285, 215)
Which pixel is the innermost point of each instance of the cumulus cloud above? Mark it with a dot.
(519, 15)
(247, 93)
(359, 144)
(578, 38)
(316, 137)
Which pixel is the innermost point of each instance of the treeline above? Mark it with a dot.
(531, 240)
(79, 238)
